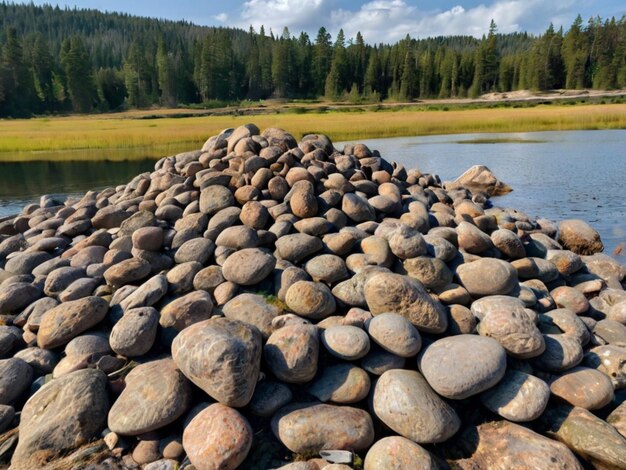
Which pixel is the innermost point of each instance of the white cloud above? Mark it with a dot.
(297, 15)
(222, 17)
(391, 20)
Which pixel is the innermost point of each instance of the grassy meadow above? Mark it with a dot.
(131, 135)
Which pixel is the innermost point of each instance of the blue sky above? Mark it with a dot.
(378, 20)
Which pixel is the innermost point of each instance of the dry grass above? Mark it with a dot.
(126, 136)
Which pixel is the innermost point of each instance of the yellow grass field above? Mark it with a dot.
(128, 136)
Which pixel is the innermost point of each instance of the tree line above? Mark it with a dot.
(56, 60)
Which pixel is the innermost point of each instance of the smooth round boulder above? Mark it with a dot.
(69, 319)
(312, 300)
(17, 296)
(238, 237)
(253, 309)
(406, 242)
(518, 397)
(388, 292)
(156, 394)
(218, 438)
(570, 298)
(61, 416)
(342, 383)
(127, 272)
(248, 266)
(134, 334)
(346, 342)
(472, 239)
(460, 366)
(148, 238)
(433, 273)
(357, 208)
(562, 352)
(310, 428)
(298, 246)
(196, 249)
(578, 236)
(186, 310)
(583, 387)
(327, 268)
(303, 202)
(15, 378)
(487, 276)
(215, 198)
(508, 243)
(395, 334)
(222, 357)
(291, 352)
(515, 331)
(398, 453)
(404, 401)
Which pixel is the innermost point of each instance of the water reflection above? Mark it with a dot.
(22, 183)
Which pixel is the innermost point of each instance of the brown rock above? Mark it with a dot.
(222, 357)
(314, 427)
(218, 438)
(156, 394)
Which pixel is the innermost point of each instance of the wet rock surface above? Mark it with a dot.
(262, 300)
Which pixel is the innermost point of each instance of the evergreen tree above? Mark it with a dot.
(575, 52)
(166, 75)
(322, 57)
(409, 84)
(78, 74)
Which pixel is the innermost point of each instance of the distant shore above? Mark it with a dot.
(152, 133)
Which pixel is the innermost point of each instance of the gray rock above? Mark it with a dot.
(269, 397)
(327, 268)
(62, 416)
(297, 247)
(248, 266)
(196, 249)
(395, 334)
(15, 378)
(460, 366)
(215, 198)
(16, 296)
(346, 342)
(134, 334)
(148, 294)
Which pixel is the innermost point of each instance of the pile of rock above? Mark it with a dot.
(263, 300)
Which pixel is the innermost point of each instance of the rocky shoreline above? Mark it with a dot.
(267, 303)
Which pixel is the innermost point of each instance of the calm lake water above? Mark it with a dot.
(557, 175)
